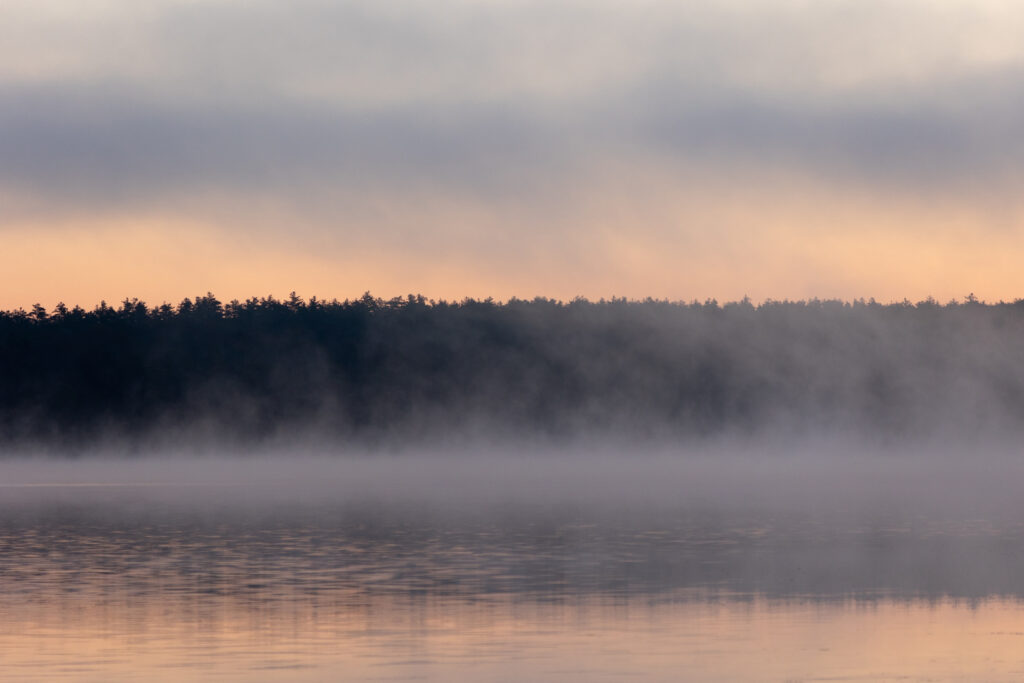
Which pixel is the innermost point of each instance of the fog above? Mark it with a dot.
(793, 450)
(819, 522)
(821, 478)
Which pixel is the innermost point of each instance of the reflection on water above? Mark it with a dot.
(101, 583)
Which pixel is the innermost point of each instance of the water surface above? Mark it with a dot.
(215, 580)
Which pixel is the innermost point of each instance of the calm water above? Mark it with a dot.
(218, 582)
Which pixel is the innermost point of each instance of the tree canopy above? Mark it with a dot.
(409, 368)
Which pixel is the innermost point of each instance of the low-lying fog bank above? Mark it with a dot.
(820, 478)
(798, 523)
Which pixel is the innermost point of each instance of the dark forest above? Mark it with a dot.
(373, 370)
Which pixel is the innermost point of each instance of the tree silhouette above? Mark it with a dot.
(409, 367)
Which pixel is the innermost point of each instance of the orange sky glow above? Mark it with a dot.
(679, 150)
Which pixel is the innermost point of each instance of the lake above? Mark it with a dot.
(573, 570)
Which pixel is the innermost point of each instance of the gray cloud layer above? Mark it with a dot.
(501, 101)
(84, 144)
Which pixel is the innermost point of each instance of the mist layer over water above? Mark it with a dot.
(825, 477)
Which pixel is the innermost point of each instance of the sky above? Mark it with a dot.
(453, 148)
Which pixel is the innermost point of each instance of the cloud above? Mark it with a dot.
(518, 135)
(918, 139)
(118, 102)
(93, 145)
(108, 142)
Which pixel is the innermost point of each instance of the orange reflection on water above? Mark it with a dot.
(187, 637)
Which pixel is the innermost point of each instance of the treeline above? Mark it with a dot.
(409, 368)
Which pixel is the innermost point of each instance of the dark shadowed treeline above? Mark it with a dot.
(407, 368)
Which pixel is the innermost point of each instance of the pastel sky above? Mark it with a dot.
(689, 149)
